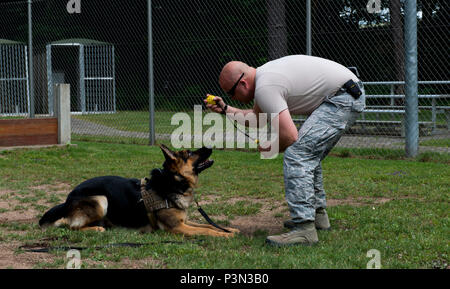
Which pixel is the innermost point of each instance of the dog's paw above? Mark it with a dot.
(99, 229)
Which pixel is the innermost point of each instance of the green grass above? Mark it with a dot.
(389, 154)
(436, 142)
(109, 139)
(124, 120)
(399, 207)
(138, 121)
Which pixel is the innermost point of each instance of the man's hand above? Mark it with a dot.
(218, 107)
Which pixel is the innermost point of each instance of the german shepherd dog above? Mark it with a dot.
(116, 201)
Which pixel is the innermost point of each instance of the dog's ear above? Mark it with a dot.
(168, 154)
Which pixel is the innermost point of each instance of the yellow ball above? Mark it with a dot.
(210, 99)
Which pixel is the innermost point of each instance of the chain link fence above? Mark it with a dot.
(101, 48)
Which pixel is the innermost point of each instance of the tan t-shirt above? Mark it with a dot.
(299, 83)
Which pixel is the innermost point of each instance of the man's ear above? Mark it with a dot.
(168, 154)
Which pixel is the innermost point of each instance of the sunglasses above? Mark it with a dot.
(231, 91)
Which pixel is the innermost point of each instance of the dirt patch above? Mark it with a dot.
(28, 216)
(60, 190)
(266, 224)
(269, 220)
(13, 209)
(10, 259)
(5, 192)
(55, 188)
(26, 207)
(208, 199)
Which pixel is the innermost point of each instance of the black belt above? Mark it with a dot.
(351, 88)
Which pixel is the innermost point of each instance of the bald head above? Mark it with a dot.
(231, 72)
(241, 77)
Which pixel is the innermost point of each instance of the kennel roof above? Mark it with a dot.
(79, 41)
(10, 42)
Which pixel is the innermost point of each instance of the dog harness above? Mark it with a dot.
(153, 203)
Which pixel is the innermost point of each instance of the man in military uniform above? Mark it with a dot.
(330, 95)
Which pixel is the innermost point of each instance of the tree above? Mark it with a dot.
(277, 30)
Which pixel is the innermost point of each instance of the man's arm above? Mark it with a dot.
(287, 131)
(234, 110)
(220, 104)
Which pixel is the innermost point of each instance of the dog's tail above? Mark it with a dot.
(54, 214)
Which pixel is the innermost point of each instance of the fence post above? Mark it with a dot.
(308, 27)
(411, 98)
(150, 74)
(30, 61)
(61, 107)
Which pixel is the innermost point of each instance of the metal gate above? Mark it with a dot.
(93, 86)
(14, 92)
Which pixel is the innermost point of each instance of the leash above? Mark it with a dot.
(208, 219)
(35, 249)
(31, 248)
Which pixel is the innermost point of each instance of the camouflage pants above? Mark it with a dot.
(302, 160)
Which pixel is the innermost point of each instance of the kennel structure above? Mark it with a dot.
(14, 79)
(88, 66)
